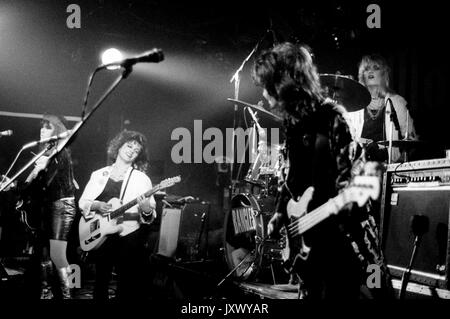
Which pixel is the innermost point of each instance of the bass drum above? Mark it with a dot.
(247, 250)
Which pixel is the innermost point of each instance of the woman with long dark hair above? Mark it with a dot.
(51, 185)
(318, 152)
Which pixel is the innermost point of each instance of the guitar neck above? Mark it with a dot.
(122, 209)
(321, 213)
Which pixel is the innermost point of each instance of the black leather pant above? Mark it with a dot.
(60, 219)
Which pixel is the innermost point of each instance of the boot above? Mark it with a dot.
(62, 286)
(46, 271)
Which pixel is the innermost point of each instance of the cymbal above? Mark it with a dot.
(256, 107)
(351, 94)
(403, 143)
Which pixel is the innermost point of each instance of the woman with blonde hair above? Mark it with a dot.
(373, 123)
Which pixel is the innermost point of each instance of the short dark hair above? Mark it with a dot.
(141, 161)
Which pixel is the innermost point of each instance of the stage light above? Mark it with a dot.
(110, 56)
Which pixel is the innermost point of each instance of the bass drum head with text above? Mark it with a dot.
(242, 225)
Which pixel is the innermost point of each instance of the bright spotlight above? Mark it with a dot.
(110, 56)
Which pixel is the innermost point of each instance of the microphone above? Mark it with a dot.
(48, 139)
(152, 56)
(394, 117)
(6, 133)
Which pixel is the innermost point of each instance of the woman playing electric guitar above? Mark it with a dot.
(107, 188)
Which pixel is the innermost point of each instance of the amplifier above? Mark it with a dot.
(184, 232)
(417, 188)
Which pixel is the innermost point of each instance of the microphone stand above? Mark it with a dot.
(419, 226)
(407, 273)
(393, 122)
(26, 166)
(74, 130)
(125, 73)
(237, 80)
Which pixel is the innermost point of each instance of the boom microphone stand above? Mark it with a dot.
(237, 80)
(66, 142)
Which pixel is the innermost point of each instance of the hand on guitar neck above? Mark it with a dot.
(101, 220)
(360, 190)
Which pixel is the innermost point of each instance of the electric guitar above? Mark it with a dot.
(94, 231)
(360, 190)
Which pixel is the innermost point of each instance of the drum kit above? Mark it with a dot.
(249, 253)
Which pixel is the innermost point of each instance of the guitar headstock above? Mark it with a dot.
(362, 188)
(168, 182)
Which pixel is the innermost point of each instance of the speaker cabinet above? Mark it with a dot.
(184, 232)
(431, 265)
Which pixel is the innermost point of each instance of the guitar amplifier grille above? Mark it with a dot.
(431, 265)
(184, 232)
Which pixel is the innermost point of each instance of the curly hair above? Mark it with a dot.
(289, 75)
(141, 161)
(371, 59)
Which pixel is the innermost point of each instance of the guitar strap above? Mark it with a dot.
(126, 185)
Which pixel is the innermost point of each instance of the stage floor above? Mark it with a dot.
(173, 287)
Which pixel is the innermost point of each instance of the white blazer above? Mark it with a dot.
(138, 184)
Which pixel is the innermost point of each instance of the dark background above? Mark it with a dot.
(44, 67)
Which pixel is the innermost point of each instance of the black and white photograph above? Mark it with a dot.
(214, 159)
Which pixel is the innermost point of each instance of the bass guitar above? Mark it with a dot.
(360, 190)
(94, 231)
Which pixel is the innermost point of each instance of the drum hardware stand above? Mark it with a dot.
(4, 276)
(259, 242)
(237, 266)
(197, 245)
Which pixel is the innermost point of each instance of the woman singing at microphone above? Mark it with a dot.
(51, 186)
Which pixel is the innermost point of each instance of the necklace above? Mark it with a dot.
(375, 107)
